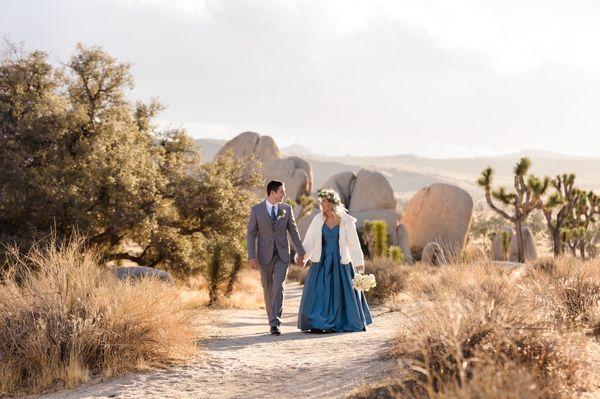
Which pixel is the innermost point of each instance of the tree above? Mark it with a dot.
(575, 233)
(76, 154)
(528, 190)
(562, 201)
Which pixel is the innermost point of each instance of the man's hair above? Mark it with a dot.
(273, 186)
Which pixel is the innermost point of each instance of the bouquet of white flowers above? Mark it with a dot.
(362, 282)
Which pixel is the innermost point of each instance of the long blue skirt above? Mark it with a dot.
(329, 301)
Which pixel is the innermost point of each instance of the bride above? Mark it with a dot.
(329, 301)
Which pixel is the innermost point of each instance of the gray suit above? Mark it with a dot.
(268, 244)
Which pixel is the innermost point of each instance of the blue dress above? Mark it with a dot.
(329, 301)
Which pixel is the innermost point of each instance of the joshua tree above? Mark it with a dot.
(586, 207)
(528, 190)
(561, 201)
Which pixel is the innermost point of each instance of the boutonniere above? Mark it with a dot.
(281, 213)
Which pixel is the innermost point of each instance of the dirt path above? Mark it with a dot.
(240, 359)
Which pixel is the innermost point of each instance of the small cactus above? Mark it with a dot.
(380, 238)
(396, 254)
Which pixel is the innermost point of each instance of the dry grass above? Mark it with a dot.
(67, 319)
(391, 278)
(247, 292)
(484, 331)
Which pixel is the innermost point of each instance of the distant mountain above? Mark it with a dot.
(407, 173)
(296, 149)
(210, 147)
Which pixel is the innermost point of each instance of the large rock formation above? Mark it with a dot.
(343, 183)
(250, 143)
(367, 196)
(439, 213)
(295, 172)
(401, 240)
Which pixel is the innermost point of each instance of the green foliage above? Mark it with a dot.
(75, 154)
(307, 205)
(526, 197)
(505, 243)
(522, 166)
(368, 237)
(558, 206)
(396, 254)
(486, 177)
(380, 238)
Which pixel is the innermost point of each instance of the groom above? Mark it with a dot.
(269, 248)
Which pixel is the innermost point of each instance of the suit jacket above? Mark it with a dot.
(263, 235)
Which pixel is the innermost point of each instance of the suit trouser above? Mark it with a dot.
(273, 278)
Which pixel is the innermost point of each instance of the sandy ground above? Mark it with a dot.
(240, 359)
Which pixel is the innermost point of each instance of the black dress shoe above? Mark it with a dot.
(275, 330)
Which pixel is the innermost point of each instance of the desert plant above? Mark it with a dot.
(368, 236)
(561, 201)
(306, 205)
(391, 278)
(67, 316)
(396, 254)
(76, 153)
(528, 190)
(380, 238)
(505, 243)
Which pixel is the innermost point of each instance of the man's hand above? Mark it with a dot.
(300, 261)
(253, 264)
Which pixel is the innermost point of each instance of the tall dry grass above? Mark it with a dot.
(484, 331)
(65, 318)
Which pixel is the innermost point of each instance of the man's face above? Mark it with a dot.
(280, 194)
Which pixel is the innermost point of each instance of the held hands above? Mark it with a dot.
(300, 261)
(253, 264)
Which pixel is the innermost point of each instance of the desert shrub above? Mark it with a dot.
(68, 318)
(483, 333)
(391, 278)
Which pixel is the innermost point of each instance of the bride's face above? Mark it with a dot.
(326, 206)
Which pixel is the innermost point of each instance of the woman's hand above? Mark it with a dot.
(360, 268)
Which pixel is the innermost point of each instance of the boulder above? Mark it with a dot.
(371, 191)
(401, 240)
(388, 215)
(530, 250)
(528, 241)
(250, 143)
(343, 183)
(433, 254)
(138, 272)
(439, 213)
(497, 247)
(295, 172)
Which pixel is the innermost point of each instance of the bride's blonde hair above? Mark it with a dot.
(334, 199)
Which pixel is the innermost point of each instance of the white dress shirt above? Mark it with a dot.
(269, 206)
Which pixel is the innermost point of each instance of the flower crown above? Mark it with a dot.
(329, 195)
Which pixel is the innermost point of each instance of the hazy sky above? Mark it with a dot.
(439, 78)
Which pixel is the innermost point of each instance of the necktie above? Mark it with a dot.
(273, 215)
